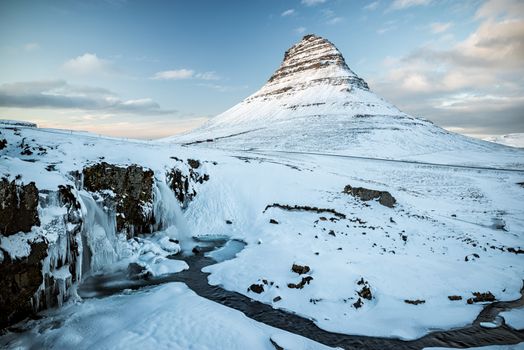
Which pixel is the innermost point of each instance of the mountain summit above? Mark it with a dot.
(312, 61)
(314, 102)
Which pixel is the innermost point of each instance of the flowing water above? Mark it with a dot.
(469, 336)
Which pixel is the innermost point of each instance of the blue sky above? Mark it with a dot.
(152, 68)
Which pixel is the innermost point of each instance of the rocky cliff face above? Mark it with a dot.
(128, 190)
(18, 207)
(47, 238)
(313, 61)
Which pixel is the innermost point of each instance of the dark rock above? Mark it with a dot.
(481, 297)
(229, 222)
(358, 304)
(332, 233)
(277, 298)
(18, 207)
(306, 208)
(454, 297)
(385, 198)
(136, 271)
(273, 221)
(414, 302)
(3, 144)
(21, 279)
(301, 284)
(275, 345)
(195, 164)
(133, 187)
(256, 288)
(515, 250)
(300, 269)
(365, 293)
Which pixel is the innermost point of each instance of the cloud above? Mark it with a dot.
(88, 64)
(438, 27)
(312, 2)
(403, 4)
(179, 74)
(287, 13)
(331, 17)
(372, 6)
(29, 47)
(174, 74)
(479, 79)
(388, 26)
(59, 94)
(300, 30)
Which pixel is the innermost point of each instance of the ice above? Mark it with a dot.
(514, 318)
(165, 317)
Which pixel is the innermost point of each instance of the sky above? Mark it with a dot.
(150, 69)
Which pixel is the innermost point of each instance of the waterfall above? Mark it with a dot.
(99, 234)
(169, 216)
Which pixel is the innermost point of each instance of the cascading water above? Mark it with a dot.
(99, 234)
(169, 216)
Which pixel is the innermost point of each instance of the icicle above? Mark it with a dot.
(168, 214)
(99, 233)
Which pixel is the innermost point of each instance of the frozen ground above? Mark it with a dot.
(449, 234)
(513, 140)
(166, 317)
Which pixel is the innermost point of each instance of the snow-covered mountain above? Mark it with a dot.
(142, 244)
(315, 102)
(512, 140)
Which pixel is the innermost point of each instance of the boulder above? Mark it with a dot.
(385, 198)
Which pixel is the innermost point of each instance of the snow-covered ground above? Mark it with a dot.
(278, 163)
(166, 317)
(448, 234)
(513, 140)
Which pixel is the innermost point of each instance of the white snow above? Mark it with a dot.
(513, 140)
(165, 317)
(449, 233)
(514, 318)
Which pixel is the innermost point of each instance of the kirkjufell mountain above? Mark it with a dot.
(314, 102)
(277, 225)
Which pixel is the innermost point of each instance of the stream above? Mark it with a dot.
(212, 250)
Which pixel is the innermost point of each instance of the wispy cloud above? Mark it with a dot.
(331, 17)
(288, 13)
(89, 64)
(29, 47)
(59, 94)
(372, 6)
(312, 2)
(438, 27)
(403, 4)
(300, 30)
(180, 74)
(478, 79)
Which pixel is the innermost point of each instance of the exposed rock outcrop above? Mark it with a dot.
(18, 207)
(43, 277)
(21, 279)
(182, 179)
(385, 198)
(129, 189)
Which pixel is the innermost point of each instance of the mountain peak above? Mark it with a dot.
(312, 61)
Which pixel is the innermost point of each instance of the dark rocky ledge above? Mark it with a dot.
(385, 198)
(18, 207)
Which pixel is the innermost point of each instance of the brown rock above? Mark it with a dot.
(18, 207)
(300, 269)
(385, 198)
